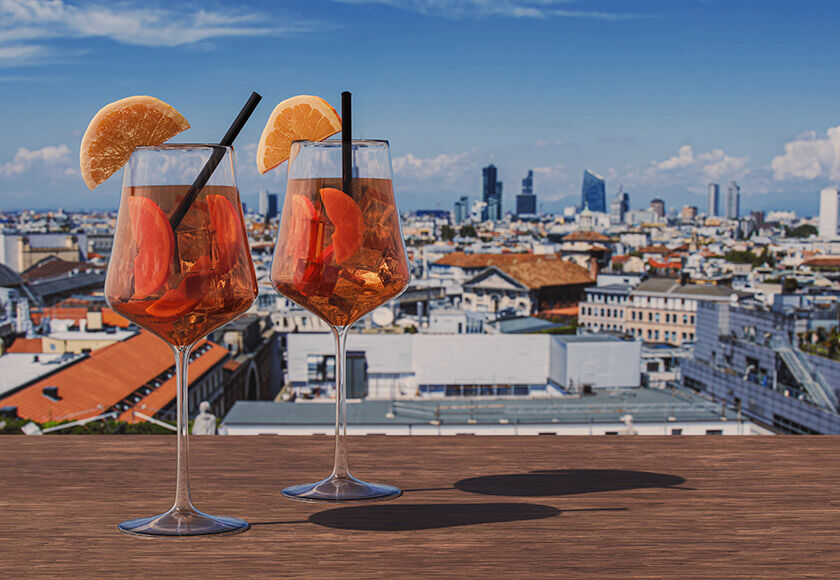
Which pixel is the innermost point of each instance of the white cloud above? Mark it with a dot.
(683, 158)
(716, 164)
(25, 25)
(26, 159)
(810, 157)
(446, 168)
(711, 165)
(539, 9)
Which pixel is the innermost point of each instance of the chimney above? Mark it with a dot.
(9, 412)
(593, 268)
(51, 393)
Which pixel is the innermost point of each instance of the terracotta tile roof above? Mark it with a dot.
(533, 270)
(52, 267)
(165, 394)
(111, 318)
(550, 271)
(620, 259)
(565, 311)
(659, 264)
(59, 313)
(475, 261)
(232, 365)
(585, 236)
(657, 249)
(26, 345)
(822, 262)
(104, 378)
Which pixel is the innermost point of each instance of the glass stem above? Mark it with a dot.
(340, 468)
(182, 489)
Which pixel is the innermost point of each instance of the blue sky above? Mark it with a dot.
(659, 96)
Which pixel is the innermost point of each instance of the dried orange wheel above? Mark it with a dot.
(296, 118)
(118, 128)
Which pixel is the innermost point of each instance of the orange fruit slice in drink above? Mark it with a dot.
(346, 216)
(227, 230)
(118, 128)
(306, 229)
(181, 299)
(297, 118)
(155, 246)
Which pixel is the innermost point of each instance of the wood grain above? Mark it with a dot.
(645, 507)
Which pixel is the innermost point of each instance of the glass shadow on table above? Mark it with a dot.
(541, 483)
(406, 517)
(544, 483)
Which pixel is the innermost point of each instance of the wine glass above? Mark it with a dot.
(340, 254)
(180, 276)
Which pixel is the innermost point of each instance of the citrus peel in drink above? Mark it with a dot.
(304, 117)
(227, 230)
(346, 216)
(181, 299)
(155, 246)
(118, 128)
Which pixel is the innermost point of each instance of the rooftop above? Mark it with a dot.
(18, 368)
(646, 405)
(105, 377)
(610, 289)
(671, 286)
(52, 267)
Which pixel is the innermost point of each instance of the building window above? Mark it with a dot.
(676, 431)
(655, 335)
(650, 334)
(320, 368)
(657, 317)
(714, 431)
(692, 319)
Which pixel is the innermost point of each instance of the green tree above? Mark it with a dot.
(803, 231)
(468, 231)
(447, 233)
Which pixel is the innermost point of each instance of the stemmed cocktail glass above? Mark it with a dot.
(340, 254)
(180, 270)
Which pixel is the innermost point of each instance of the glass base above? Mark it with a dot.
(341, 489)
(179, 523)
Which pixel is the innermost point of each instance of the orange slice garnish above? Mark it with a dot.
(297, 118)
(118, 128)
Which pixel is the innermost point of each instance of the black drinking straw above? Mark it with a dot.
(346, 143)
(215, 159)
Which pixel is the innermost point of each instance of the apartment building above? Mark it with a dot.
(664, 310)
(603, 305)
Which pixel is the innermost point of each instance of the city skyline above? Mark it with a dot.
(661, 99)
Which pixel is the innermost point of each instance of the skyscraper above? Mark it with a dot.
(526, 202)
(594, 192)
(268, 204)
(733, 201)
(714, 200)
(617, 210)
(462, 209)
(492, 194)
(657, 206)
(263, 202)
(829, 207)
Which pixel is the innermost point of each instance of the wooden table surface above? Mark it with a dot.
(546, 506)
